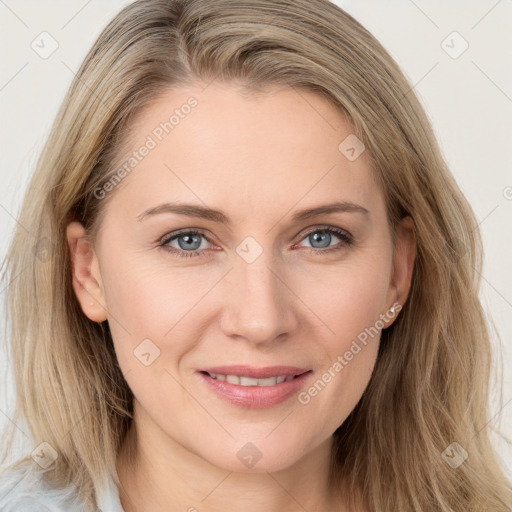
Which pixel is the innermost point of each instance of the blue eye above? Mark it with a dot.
(190, 242)
(320, 239)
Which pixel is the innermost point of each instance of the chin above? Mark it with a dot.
(259, 456)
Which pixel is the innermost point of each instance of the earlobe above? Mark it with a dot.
(404, 255)
(86, 276)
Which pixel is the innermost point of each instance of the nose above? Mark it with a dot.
(259, 304)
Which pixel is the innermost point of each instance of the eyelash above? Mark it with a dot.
(346, 241)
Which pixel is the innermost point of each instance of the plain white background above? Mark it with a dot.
(467, 93)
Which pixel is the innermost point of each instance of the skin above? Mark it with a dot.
(259, 159)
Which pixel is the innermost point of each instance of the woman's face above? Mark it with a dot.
(291, 265)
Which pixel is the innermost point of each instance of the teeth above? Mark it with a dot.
(251, 381)
(232, 379)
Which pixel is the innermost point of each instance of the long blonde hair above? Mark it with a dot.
(430, 384)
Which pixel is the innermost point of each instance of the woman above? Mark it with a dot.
(255, 280)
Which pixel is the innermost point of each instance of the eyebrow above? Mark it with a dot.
(202, 212)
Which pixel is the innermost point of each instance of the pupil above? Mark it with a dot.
(321, 236)
(189, 242)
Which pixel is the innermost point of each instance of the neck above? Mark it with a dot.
(157, 473)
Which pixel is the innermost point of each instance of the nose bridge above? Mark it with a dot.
(259, 306)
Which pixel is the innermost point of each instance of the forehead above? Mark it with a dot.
(260, 152)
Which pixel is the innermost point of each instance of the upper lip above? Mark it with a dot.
(256, 372)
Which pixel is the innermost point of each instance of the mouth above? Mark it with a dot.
(255, 388)
(245, 380)
(244, 375)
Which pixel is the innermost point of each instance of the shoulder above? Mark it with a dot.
(23, 490)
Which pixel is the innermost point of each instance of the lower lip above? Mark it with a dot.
(255, 397)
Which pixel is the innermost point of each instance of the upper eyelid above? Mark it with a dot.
(321, 227)
(174, 234)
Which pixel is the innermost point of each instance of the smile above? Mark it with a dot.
(255, 388)
(251, 381)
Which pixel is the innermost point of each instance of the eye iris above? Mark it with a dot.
(191, 241)
(320, 236)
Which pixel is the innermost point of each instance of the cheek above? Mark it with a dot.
(154, 302)
(349, 299)
(349, 303)
(146, 296)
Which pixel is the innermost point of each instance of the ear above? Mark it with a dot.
(404, 254)
(86, 273)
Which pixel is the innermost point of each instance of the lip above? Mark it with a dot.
(255, 397)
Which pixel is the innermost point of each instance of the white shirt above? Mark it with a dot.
(25, 492)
